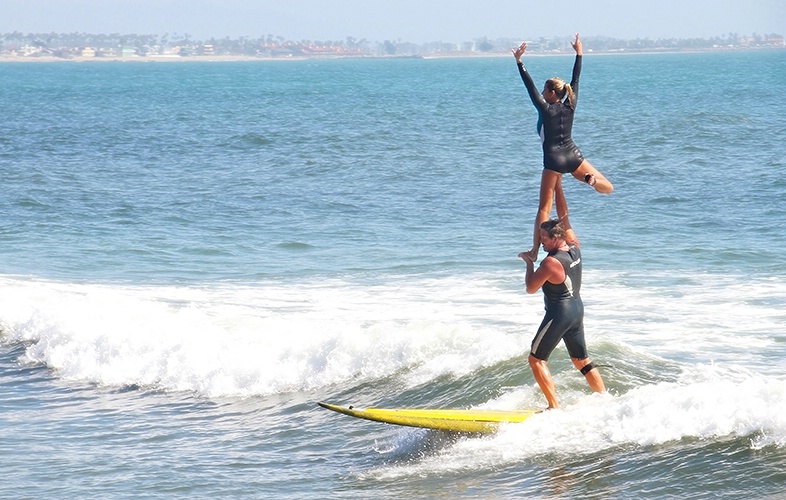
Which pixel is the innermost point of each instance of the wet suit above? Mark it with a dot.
(555, 124)
(564, 318)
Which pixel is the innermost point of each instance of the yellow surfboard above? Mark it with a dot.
(474, 421)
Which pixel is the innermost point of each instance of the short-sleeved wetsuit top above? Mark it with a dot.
(555, 124)
(564, 319)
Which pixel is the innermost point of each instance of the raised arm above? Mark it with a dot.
(532, 90)
(574, 81)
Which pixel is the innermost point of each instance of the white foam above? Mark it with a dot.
(701, 318)
(251, 340)
(707, 403)
(281, 337)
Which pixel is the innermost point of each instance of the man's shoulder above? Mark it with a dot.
(569, 255)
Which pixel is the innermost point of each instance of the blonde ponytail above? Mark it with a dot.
(561, 88)
(571, 97)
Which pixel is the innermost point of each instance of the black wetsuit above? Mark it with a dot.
(564, 318)
(555, 124)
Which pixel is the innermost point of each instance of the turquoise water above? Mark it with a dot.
(193, 254)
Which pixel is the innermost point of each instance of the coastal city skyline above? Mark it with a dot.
(446, 21)
(31, 46)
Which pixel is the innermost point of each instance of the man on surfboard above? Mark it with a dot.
(559, 276)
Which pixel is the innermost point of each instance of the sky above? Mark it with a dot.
(417, 21)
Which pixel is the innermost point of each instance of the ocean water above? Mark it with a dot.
(192, 255)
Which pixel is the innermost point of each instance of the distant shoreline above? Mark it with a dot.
(139, 59)
(444, 55)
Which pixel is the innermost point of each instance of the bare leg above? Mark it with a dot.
(548, 184)
(562, 213)
(593, 376)
(543, 377)
(602, 185)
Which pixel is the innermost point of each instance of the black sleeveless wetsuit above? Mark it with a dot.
(564, 318)
(555, 124)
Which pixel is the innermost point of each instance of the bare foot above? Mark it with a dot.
(530, 255)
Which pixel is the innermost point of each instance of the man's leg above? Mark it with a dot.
(543, 377)
(590, 373)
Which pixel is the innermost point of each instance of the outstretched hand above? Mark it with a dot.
(517, 53)
(576, 44)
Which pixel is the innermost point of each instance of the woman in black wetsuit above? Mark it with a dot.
(555, 126)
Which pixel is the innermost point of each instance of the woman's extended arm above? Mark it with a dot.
(574, 81)
(532, 90)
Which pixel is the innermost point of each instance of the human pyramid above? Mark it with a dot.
(559, 274)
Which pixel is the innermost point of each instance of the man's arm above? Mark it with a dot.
(549, 270)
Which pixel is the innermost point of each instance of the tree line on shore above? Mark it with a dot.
(71, 44)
